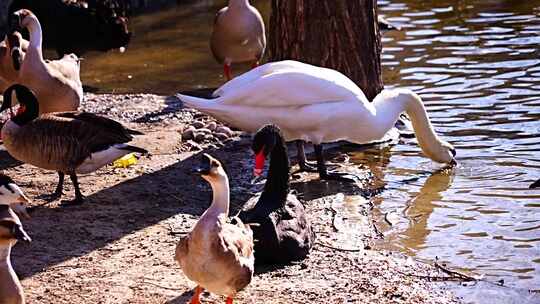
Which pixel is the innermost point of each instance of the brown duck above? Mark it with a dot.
(217, 254)
(67, 142)
(238, 35)
(11, 231)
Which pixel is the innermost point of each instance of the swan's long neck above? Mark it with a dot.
(276, 188)
(36, 35)
(221, 199)
(389, 105)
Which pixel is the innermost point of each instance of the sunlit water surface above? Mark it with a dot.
(477, 66)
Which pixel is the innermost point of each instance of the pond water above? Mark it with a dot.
(477, 66)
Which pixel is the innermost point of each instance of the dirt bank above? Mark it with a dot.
(119, 246)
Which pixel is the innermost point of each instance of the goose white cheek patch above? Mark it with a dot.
(259, 163)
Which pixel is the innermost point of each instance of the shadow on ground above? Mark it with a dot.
(6, 161)
(64, 233)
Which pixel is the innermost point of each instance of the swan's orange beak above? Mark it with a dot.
(259, 163)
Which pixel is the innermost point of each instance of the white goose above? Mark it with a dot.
(56, 83)
(318, 105)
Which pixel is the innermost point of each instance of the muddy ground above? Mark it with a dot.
(118, 247)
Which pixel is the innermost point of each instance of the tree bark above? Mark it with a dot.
(338, 34)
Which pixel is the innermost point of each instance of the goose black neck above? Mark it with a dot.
(276, 188)
(27, 99)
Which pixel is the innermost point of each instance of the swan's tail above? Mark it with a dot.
(197, 102)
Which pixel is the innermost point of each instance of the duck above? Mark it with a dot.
(67, 142)
(57, 83)
(12, 196)
(238, 35)
(218, 253)
(279, 221)
(318, 105)
(11, 231)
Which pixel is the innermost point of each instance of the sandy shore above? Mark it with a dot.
(119, 246)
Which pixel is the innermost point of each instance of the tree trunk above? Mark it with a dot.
(339, 34)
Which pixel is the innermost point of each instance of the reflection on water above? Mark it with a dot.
(168, 53)
(476, 63)
(477, 66)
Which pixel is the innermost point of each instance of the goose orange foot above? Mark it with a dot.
(196, 295)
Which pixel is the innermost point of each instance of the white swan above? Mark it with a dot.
(318, 105)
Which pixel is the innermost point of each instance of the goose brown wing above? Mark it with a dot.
(99, 123)
(235, 241)
(70, 137)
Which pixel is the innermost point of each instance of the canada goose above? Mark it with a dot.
(11, 195)
(11, 231)
(238, 35)
(283, 232)
(57, 83)
(67, 142)
(318, 105)
(217, 254)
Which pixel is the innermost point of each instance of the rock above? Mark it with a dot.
(198, 124)
(189, 133)
(226, 130)
(211, 126)
(193, 146)
(204, 130)
(221, 136)
(199, 137)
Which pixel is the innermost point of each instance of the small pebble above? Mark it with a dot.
(189, 133)
(198, 124)
(221, 136)
(194, 146)
(199, 137)
(211, 126)
(223, 129)
(204, 130)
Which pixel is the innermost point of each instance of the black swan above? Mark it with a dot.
(283, 232)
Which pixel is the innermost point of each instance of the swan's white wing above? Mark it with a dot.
(258, 72)
(289, 87)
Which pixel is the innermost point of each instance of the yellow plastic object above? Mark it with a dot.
(126, 161)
